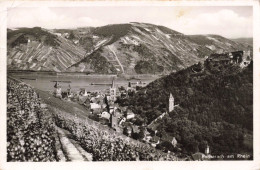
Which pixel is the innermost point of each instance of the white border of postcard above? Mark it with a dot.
(255, 164)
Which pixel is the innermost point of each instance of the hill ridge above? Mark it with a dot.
(146, 48)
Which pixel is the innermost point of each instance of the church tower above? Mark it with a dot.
(69, 90)
(129, 88)
(113, 91)
(171, 103)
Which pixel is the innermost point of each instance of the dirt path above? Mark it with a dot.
(73, 152)
(117, 59)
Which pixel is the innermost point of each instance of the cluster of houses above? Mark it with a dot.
(103, 106)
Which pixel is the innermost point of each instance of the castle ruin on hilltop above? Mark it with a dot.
(242, 58)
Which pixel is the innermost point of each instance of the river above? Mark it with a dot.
(46, 82)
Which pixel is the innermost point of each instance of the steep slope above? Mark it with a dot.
(213, 106)
(39, 49)
(218, 43)
(146, 48)
(245, 41)
(133, 48)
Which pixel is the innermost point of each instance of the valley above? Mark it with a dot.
(128, 92)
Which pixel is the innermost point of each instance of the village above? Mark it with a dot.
(104, 109)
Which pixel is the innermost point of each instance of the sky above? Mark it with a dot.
(228, 21)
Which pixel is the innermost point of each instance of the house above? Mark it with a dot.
(118, 112)
(95, 106)
(111, 109)
(122, 121)
(155, 140)
(170, 139)
(139, 84)
(115, 118)
(127, 129)
(82, 99)
(135, 129)
(123, 94)
(105, 115)
(147, 136)
(130, 115)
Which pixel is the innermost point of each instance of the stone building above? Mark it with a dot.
(112, 91)
(171, 103)
(57, 90)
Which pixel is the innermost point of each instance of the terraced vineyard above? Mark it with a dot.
(112, 49)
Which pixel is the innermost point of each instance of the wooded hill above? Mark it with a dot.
(214, 107)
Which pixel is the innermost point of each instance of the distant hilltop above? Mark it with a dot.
(132, 48)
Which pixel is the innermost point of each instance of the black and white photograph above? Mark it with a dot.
(98, 83)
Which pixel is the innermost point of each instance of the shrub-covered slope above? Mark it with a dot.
(212, 107)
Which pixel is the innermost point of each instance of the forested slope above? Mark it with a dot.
(213, 106)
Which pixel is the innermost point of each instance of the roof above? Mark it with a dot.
(155, 139)
(153, 126)
(136, 129)
(82, 99)
(167, 138)
(130, 112)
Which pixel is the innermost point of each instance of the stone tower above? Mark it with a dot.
(129, 88)
(171, 103)
(174, 142)
(207, 150)
(69, 90)
(57, 90)
(113, 91)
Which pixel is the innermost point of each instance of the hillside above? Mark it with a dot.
(43, 128)
(213, 105)
(133, 48)
(246, 41)
(38, 49)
